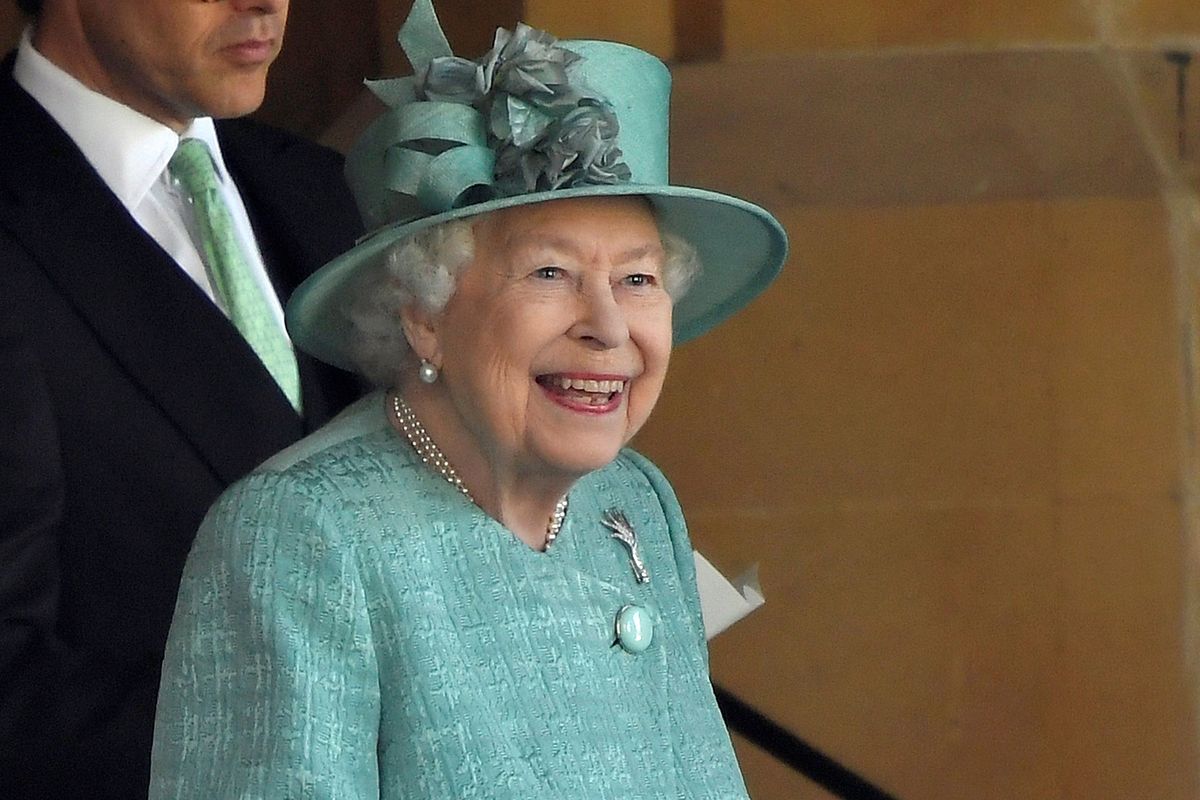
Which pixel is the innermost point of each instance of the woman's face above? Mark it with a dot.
(554, 347)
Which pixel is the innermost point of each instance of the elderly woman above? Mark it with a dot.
(466, 586)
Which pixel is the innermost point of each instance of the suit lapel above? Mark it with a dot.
(303, 216)
(168, 337)
(289, 201)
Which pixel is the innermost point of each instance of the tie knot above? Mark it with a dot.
(192, 166)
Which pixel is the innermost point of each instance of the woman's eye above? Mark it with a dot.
(640, 279)
(548, 273)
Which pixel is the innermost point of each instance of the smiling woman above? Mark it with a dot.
(467, 585)
(597, 271)
(563, 291)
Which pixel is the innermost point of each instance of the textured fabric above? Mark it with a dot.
(350, 626)
(192, 166)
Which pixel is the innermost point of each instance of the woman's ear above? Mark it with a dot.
(421, 330)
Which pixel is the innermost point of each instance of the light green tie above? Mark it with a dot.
(192, 167)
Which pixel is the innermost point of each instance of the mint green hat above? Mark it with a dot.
(534, 120)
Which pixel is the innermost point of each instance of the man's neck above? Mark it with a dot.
(61, 41)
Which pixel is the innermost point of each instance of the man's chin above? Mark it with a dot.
(238, 102)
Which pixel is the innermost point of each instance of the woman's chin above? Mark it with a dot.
(579, 440)
(577, 458)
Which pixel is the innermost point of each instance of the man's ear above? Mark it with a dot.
(421, 330)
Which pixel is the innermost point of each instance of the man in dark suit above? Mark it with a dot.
(128, 397)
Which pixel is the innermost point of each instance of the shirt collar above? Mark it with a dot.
(129, 150)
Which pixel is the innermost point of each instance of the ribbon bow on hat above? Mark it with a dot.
(460, 132)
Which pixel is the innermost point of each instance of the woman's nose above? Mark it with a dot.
(601, 322)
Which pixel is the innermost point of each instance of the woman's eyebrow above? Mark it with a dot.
(640, 253)
(563, 245)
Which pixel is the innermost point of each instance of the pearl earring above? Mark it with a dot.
(427, 372)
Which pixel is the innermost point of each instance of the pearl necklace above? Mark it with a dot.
(432, 456)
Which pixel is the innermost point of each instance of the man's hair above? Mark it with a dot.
(30, 7)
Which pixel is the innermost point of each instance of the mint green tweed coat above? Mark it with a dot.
(350, 626)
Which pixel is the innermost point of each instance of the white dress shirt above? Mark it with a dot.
(130, 152)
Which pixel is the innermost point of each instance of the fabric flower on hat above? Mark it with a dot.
(529, 64)
(547, 133)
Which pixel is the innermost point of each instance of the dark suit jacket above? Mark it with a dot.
(127, 403)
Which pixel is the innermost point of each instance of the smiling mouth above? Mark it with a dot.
(600, 394)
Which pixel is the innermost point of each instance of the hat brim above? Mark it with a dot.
(741, 248)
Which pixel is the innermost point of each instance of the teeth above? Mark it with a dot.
(580, 385)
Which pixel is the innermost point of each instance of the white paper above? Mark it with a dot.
(722, 602)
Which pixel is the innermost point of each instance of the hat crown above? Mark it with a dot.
(533, 115)
(638, 86)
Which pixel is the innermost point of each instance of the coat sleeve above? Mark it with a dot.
(70, 715)
(31, 498)
(270, 686)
